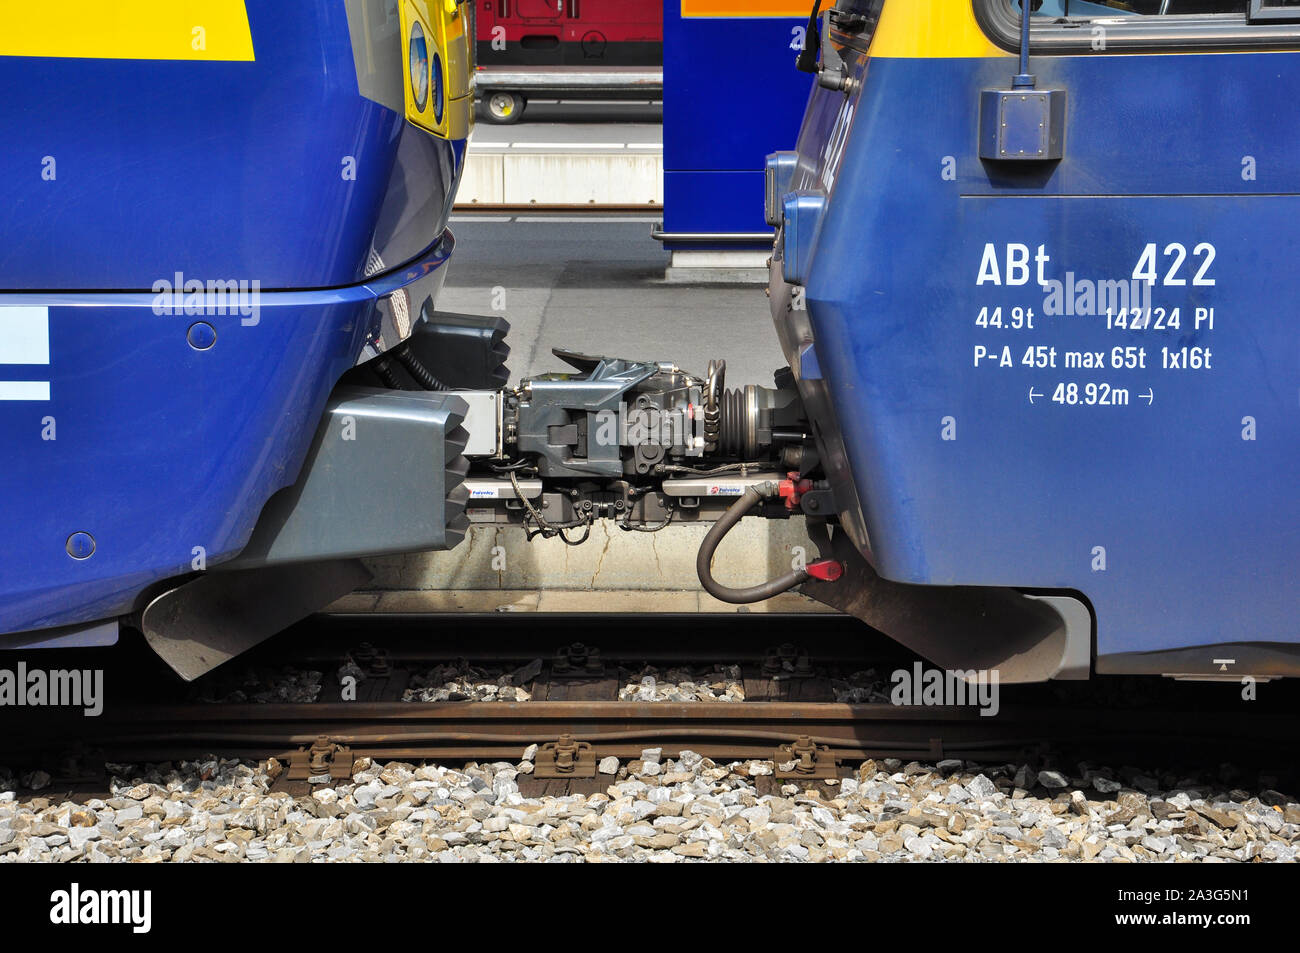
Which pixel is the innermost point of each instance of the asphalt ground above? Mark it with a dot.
(595, 283)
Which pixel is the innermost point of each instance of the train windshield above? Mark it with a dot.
(1084, 9)
(866, 8)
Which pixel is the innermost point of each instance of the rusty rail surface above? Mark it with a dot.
(500, 730)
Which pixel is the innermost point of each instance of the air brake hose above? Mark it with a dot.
(384, 369)
(704, 560)
(423, 376)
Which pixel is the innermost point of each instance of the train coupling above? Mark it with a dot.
(644, 443)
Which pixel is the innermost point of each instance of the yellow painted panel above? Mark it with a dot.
(931, 29)
(126, 29)
(908, 28)
(458, 119)
(444, 29)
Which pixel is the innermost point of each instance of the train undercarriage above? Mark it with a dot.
(648, 445)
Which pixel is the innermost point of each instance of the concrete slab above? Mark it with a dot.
(499, 557)
(619, 178)
(565, 602)
(452, 601)
(484, 180)
(633, 601)
(616, 164)
(356, 602)
(573, 127)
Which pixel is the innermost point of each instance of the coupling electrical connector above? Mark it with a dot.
(792, 489)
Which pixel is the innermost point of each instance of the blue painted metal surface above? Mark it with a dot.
(275, 170)
(723, 113)
(278, 173)
(1166, 495)
(158, 448)
(802, 215)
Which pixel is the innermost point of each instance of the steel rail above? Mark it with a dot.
(478, 730)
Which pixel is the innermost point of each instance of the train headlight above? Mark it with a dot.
(419, 61)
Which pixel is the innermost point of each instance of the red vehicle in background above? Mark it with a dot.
(570, 33)
(569, 49)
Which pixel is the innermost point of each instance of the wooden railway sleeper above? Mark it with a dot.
(371, 660)
(577, 660)
(787, 660)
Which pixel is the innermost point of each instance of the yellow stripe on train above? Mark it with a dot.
(909, 29)
(931, 29)
(126, 29)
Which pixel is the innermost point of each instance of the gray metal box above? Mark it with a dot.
(1022, 124)
(385, 474)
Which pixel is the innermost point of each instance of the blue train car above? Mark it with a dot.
(720, 121)
(211, 211)
(1045, 324)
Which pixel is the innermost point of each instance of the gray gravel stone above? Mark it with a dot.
(981, 787)
(719, 684)
(692, 810)
(463, 682)
(1052, 779)
(1106, 785)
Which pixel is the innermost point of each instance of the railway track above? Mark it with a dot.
(786, 720)
(784, 774)
(330, 735)
(500, 730)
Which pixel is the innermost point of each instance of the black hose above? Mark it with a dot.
(385, 371)
(806, 62)
(704, 560)
(416, 368)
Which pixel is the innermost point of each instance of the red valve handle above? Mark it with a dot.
(827, 570)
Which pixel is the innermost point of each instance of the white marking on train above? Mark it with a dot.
(24, 390)
(24, 335)
(24, 339)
